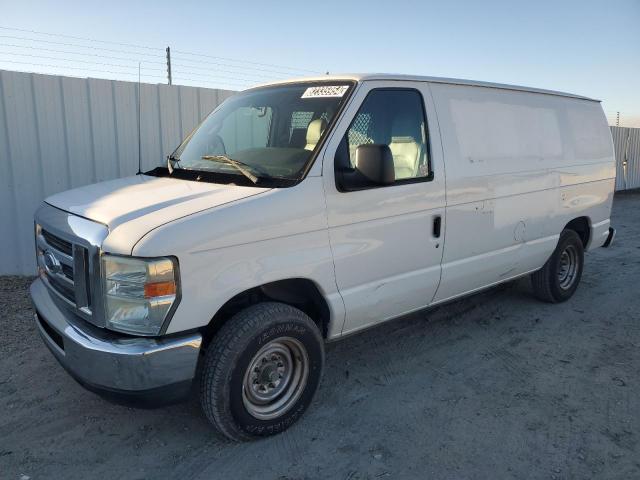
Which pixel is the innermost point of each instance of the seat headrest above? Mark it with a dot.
(315, 130)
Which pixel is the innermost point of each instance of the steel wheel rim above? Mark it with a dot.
(568, 267)
(275, 378)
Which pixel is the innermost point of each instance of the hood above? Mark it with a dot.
(119, 201)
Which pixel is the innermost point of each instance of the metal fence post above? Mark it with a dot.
(168, 65)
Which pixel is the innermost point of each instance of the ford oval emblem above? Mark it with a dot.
(51, 263)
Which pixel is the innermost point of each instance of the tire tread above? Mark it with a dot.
(543, 280)
(221, 357)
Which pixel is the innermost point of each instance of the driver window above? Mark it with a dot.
(395, 118)
(245, 128)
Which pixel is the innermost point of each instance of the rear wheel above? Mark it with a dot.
(558, 279)
(261, 371)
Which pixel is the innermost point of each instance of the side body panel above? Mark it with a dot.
(520, 166)
(222, 252)
(387, 260)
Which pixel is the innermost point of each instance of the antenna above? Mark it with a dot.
(139, 137)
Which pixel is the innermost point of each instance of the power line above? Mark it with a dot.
(292, 69)
(246, 61)
(241, 73)
(77, 46)
(206, 62)
(66, 52)
(76, 68)
(248, 80)
(238, 67)
(225, 71)
(79, 38)
(86, 54)
(223, 80)
(199, 82)
(78, 60)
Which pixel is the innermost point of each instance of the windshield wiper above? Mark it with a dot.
(173, 162)
(243, 168)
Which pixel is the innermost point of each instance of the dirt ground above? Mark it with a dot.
(495, 386)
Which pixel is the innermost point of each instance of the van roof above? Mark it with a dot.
(419, 78)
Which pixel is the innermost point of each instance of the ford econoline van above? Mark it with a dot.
(303, 211)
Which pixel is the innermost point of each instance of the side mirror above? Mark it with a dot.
(375, 163)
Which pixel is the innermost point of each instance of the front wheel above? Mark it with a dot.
(261, 371)
(558, 279)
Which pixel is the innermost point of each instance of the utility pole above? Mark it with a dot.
(168, 65)
(139, 123)
(617, 119)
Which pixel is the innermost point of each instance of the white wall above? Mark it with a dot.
(58, 133)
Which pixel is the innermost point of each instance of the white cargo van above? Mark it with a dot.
(303, 211)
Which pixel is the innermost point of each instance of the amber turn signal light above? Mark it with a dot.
(159, 289)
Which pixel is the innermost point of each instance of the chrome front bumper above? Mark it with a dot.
(148, 370)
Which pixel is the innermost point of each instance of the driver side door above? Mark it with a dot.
(387, 241)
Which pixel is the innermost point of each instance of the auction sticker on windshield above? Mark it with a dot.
(325, 91)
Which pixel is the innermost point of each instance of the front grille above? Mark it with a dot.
(65, 267)
(58, 243)
(67, 291)
(67, 271)
(68, 251)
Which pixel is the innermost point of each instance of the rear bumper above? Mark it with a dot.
(142, 371)
(612, 234)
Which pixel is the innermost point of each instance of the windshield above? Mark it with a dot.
(266, 133)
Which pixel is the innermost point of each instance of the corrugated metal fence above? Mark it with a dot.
(626, 142)
(58, 133)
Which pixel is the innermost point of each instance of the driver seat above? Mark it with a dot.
(314, 132)
(404, 147)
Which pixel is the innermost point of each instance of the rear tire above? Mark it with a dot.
(261, 371)
(558, 279)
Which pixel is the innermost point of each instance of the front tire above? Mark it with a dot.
(558, 279)
(261, 371)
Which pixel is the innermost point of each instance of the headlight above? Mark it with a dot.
(138, 292)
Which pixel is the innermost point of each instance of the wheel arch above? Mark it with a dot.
(300, 293)
(582, 226)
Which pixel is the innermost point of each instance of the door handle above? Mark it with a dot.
(437, 222)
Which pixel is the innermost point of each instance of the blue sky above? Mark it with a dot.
(586, 47)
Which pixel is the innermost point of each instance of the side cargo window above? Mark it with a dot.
(393, 118)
